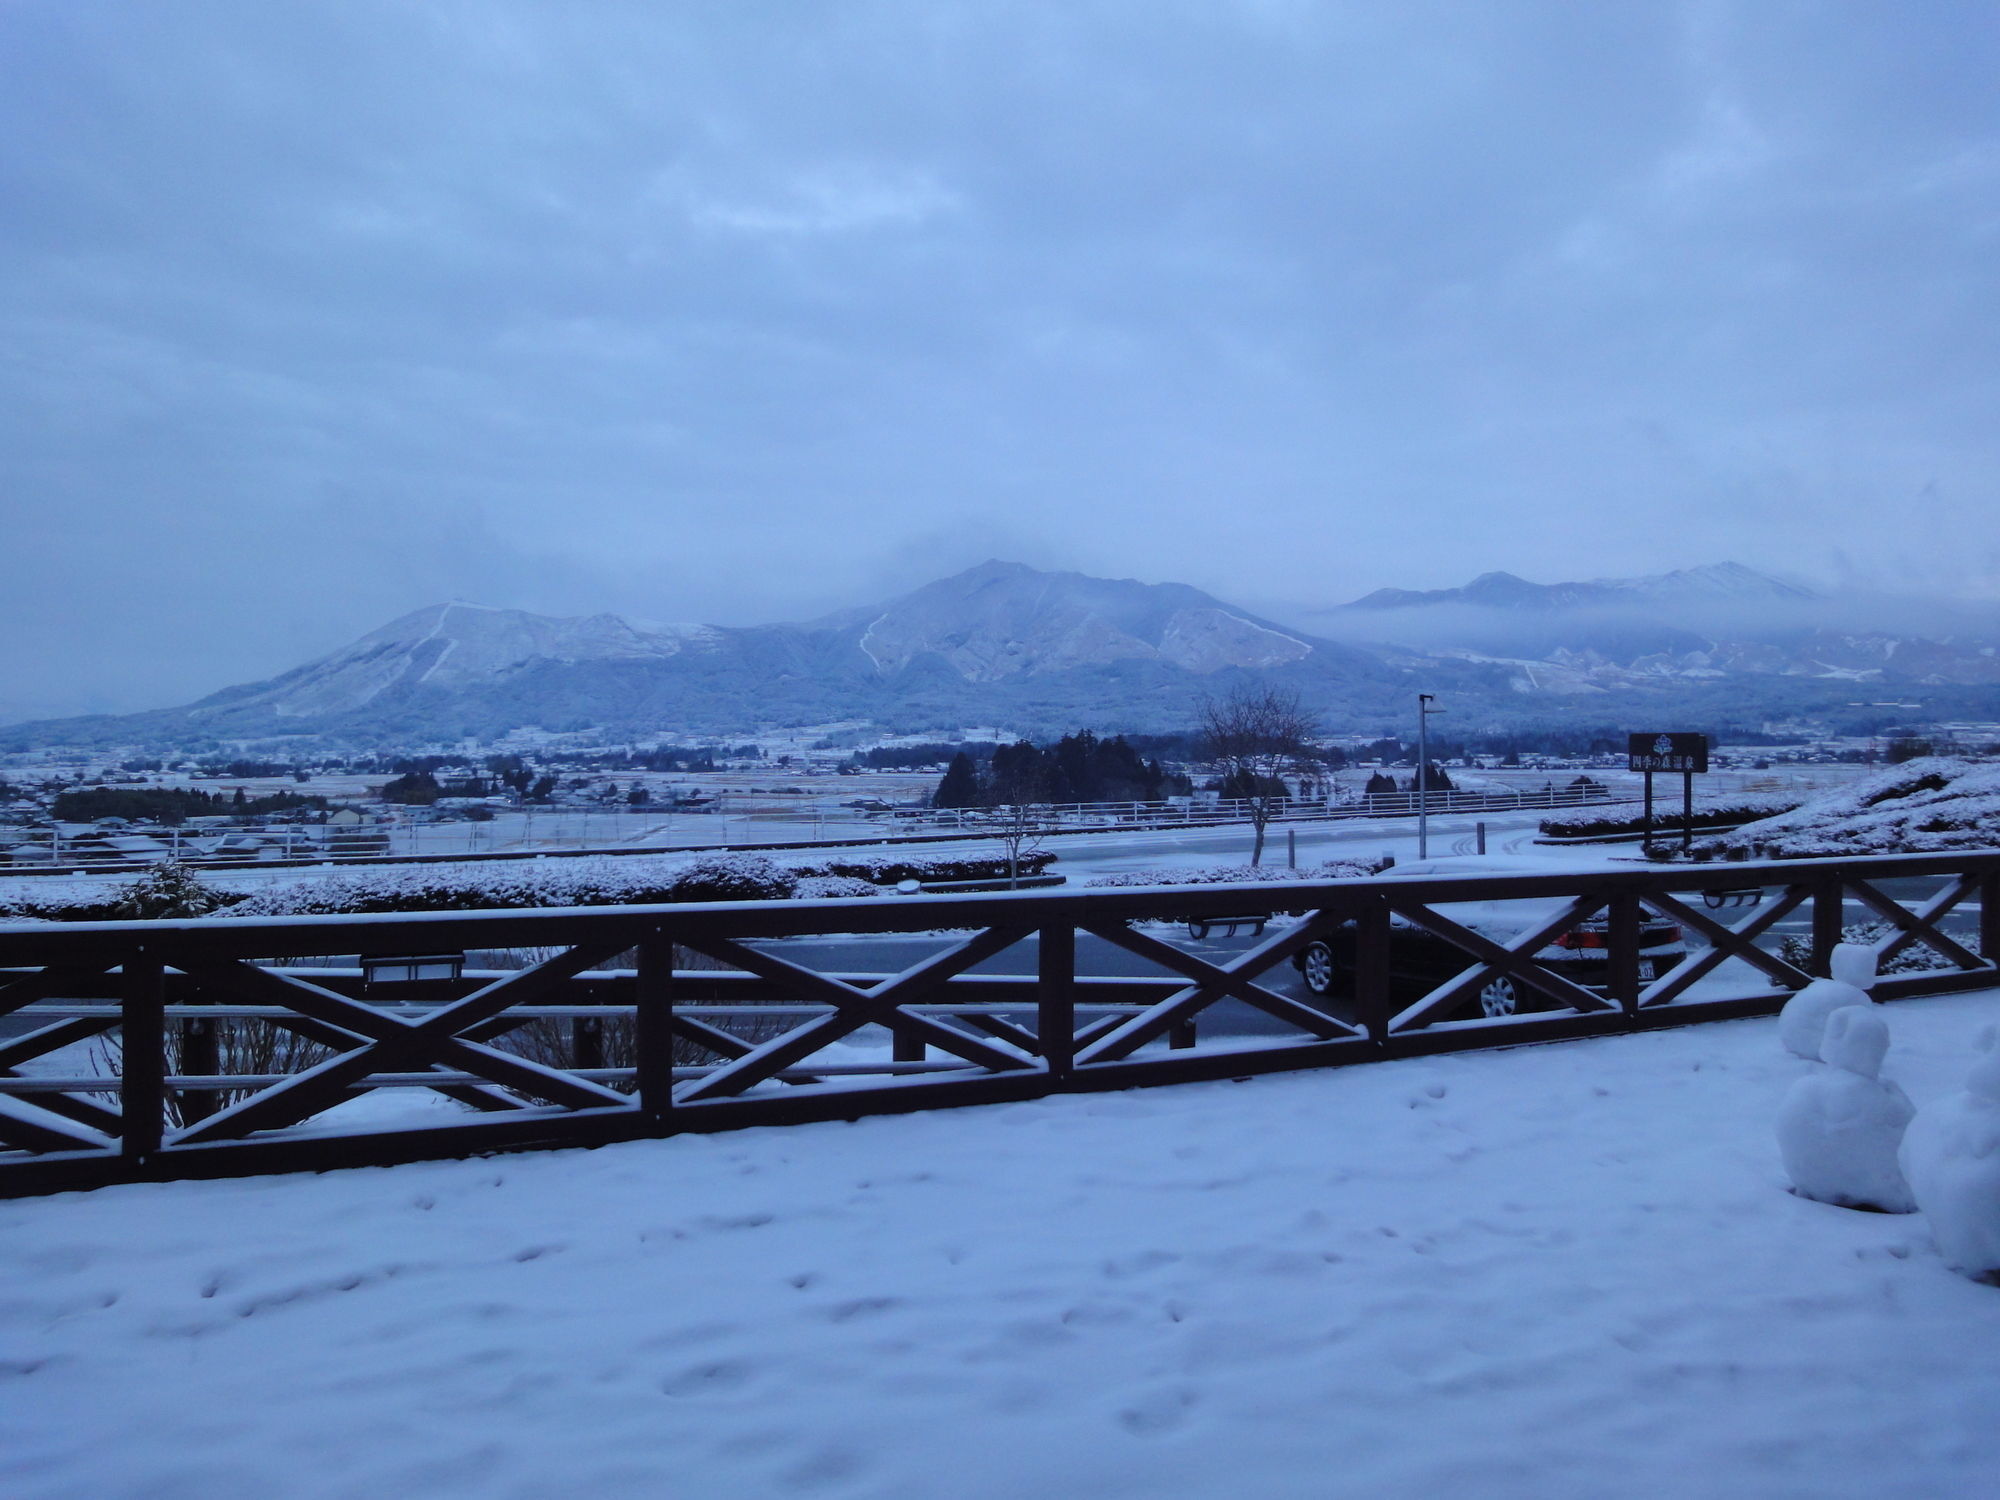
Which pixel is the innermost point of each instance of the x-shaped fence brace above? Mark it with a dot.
(56, 1122)
(1493, 960)
(1920, 926)
(374, 1041)
(1211, 982)
(850, 1008)
(1726, 942)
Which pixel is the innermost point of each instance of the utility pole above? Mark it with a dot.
(1424, 712)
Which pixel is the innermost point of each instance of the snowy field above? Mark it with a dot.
(1569, 1270)
(1079, 857)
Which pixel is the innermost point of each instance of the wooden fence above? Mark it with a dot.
(153, 1050)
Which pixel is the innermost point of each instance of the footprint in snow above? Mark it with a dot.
(736, 1221)
(708, 1379)
(862, 1307)
(1159, 1412)
(826, 1466)
(1137, 1265)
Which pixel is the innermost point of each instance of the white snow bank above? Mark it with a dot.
(1932, 805)
(1556, 1271)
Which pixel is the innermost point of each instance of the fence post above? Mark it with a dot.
(142, 1090)
(1371, 968)
(1826, 923)
(200, 1054)
(1989, 918)
(652, 1026)
(1622, 982)
(1055, 1001)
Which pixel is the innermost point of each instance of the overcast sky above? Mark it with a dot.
(314, 313)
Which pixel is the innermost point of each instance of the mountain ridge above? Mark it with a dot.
(1004, 643)
(1730, 581)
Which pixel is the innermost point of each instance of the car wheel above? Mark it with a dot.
(1498, 997)
(1316, 965)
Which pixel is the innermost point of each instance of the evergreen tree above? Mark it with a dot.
(1431, 778)
(960, 786)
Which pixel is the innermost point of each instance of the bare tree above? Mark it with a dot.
(1254, 737)
(1020, 787)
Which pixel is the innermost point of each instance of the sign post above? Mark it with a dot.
(1685, 753)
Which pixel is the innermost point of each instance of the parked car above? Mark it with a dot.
(1419, 961)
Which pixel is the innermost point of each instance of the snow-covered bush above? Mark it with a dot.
(888, 869)
(1933, 805)
(1718, 812)
(1237, 874)
(1213, 875)
(488, 885)
(830, 887)
(1797, 951)
(166, 891)
(733, 877)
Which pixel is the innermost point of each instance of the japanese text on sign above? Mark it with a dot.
(1667, 752)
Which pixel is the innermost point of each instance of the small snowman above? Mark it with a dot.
(1840, 1128)
(1951, 1156)
(1803, 1020)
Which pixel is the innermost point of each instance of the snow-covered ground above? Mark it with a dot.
(1079, 857)
(1569, 1270)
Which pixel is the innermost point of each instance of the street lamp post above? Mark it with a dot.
(1424, 712)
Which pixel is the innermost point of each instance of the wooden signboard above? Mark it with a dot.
(1669, 751)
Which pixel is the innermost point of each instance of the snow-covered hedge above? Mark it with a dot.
(1210, 875)
(1717, 812)
(1933, 805)
(1913, 959)
(1238, 874)
(168, 890)
(637, 880)
(888, 869)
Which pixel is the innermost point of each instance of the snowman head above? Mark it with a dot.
(1856, 1040)
(1853, 963)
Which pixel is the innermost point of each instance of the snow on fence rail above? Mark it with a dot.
(214, 1047)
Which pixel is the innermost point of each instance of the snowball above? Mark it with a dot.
(1803, 1020)
(1839, 1130)
(1951, 1156)
(1853, 963)
(1855, 1041)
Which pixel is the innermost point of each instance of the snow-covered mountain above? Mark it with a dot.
(1002, 620)
(1726, 582)
(1049, 652)
(457, 646)
(1719, 622)
(999, 642)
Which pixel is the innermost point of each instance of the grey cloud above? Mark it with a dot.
(751, 311)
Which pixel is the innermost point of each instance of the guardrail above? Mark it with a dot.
(212, 1047)
(41, 852)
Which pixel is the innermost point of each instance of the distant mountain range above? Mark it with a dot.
(1724, 621)
(1719, 583)
(1044, 652)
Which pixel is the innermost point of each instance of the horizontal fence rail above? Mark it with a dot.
(154, 1050)
(44, 851)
